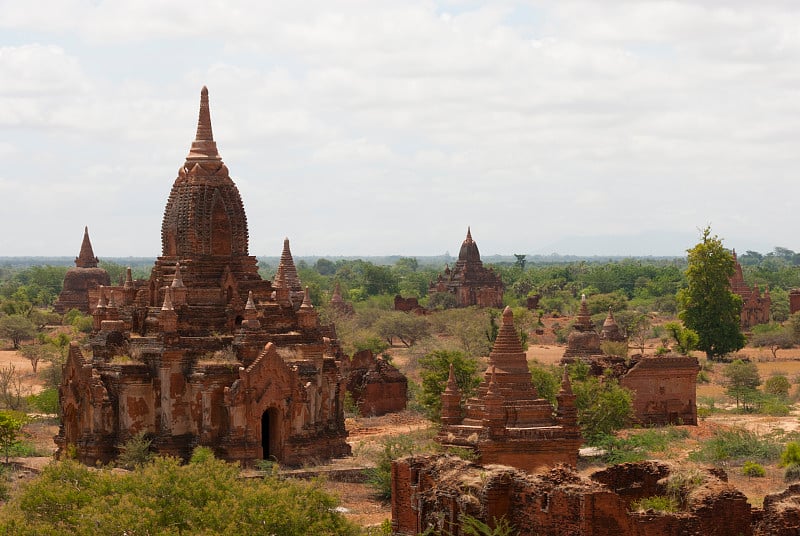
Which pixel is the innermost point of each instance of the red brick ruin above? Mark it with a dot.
(469, 281)
(80, 280)
(437, 491)
(755, 307)
(663, 387)
(205, 352)
(376, 386)
(507, 422)
(583, 340)
(338, 304)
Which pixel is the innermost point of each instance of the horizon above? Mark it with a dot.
(613, 129)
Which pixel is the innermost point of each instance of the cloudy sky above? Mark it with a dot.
(382, 127)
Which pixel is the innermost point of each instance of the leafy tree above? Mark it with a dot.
(409, 328)
(774, 340)
(708, 305)
(547, 381)
(778, 385)
(741, 380)
(325, 267)
(11, 423)
(442, 300)
(16, 328)
(686, 339)
(603, 406)
(435, 369)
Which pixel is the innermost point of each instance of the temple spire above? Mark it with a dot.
(469, 235)
(204, 147)
(287, 273)
(86, 258)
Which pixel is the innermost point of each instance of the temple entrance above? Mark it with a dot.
(270, 434)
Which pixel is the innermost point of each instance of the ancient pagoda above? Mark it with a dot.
(507, 422)
(755, 306)
(206, 352)
(80, 280)
(469, 281)
(583, 341)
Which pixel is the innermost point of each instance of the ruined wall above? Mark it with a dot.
(434, 492)
(377, 387)
(664, 389)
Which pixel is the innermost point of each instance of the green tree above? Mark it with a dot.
(547, 380)
(708, 305)
(16, 328)
(686, 339)
(407, 327)
(435, 369)
(741, 381)
(778, 385)
(11, 423)
(603, 406)
(773, 340)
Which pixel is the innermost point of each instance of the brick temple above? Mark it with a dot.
(205, 352)
(755, 306)
(469, 281)
(507, 422)
(80, 280)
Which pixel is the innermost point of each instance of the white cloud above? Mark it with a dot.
(574, 113)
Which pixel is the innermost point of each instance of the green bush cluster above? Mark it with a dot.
(753, 469)
(164, 497)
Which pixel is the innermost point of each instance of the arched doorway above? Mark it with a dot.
(270, 434)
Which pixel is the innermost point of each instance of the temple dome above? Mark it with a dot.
(204, 213)
(469, 249)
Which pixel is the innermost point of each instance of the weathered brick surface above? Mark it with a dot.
(469, 281)
(79, 281)
(665, 389)
(755, 306)
(507, 422)
(435, 491)
(377, 387)
(206, 352)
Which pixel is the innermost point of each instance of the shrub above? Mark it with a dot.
(546, 380)
(639, 446)
(619, 349)
(392, 448)
(681, 484)
(736, 443)
(702, 377)
(753, 469)
(136, 451)
(659, 503)
(792, 472)
(777, 385)
(46, 401)
(471, 526)
(790, 454)
(435, 371)
(603, 407)
(165, 497)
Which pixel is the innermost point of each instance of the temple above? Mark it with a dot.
(80, 280)
(206, 352)
(755, 307)
(469, 282)
(583, 341)
(507, 422)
